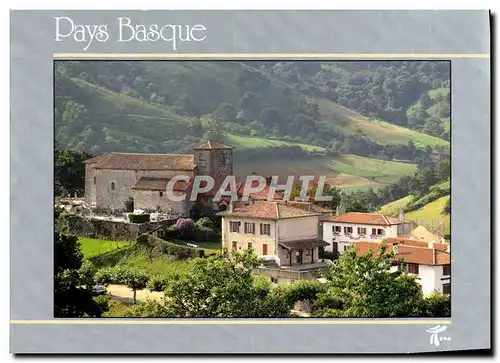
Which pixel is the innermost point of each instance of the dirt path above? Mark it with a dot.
(122, 292)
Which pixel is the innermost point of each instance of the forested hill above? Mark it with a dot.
(376, 109)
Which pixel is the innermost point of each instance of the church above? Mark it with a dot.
(113, 179)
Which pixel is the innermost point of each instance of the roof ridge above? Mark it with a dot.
(385, 218)
(277, 210)
(149, 154)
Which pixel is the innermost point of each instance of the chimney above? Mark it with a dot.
(402, 217)
(337, 210)
(432, 244)
(231, 203)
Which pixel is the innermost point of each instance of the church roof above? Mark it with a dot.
(158, 184)
(212, 145)
(129, 161)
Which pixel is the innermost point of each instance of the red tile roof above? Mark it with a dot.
(262, 195)
(212, 145)
(364, 218)
(128, 161)
(416, 243)
(409, 254)
(270, 210)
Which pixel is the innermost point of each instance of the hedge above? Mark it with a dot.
(139, 218)
(169, 248)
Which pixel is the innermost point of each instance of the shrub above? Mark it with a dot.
(204, 234)
(172, 232)
(139, 218)
(169, 248)
(157, 283)
(129, 205)
(324, 301)
(205, 222)
(304, 290)
(186, 227)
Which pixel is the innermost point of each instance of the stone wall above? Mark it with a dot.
(104, 229)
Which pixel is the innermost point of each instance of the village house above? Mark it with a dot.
(429, 262)
(343, 229)
(280, 231)
(114, 178)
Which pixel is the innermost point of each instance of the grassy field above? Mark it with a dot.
(378, 131)
(431, 210)
(247, 142)
(395, 208)
(430, 215)
(92, 247)
(346, 171)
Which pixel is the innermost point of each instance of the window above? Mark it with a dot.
(264, 249)
(95, 179)
(235, 245)
(161, 194)
(413, 268)
(336, 229)
(274, 280)
(235, 227)
(361, 231)
(446, 289)
(112, 185)
(265, 228)
(250, 228)
(347, 230)
(377, 232)
(446, 270)
(250, 246)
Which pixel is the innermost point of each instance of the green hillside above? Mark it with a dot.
(342, 171)
(381, 132)
(426, 210)
(283, 113)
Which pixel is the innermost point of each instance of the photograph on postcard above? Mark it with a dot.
(252, 189)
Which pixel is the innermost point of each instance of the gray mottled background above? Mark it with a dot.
(32, 49)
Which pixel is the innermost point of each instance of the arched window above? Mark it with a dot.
(112, 185)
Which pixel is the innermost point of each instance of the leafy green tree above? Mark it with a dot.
(226, 112)
(69, 172)
(136, 280)
(220, 286)
(436, 305)
(74, 282)
(365, 287)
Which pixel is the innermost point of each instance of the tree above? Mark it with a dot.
(74, 282)
(447, 207)
(226, 112)
(136, 280)
(69, 172)
(365, 287)
(220, 286)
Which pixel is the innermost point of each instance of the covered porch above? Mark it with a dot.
(300, 252)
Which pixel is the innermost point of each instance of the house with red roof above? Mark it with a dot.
(343, 229)
(429, 262)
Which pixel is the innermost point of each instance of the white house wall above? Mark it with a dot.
(344, 240)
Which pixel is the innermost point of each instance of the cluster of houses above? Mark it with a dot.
(291, 235)
(287, 235)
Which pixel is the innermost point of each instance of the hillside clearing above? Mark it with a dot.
(341, 171)
(430, 215)
(379, 131)
(247, 142)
